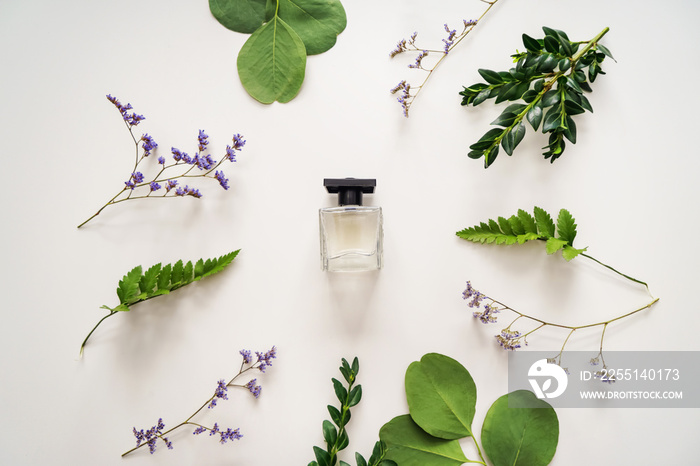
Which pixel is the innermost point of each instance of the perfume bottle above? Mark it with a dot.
(351, 233)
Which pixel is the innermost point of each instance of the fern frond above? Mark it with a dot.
(138, 286)
(524, 227)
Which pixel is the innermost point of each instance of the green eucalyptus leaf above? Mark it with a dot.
(239, 15)
(441, 396)
(317, 22)
(522, 436)
(409, 445)
(272, 63)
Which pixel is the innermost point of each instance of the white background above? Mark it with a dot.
(629, 182)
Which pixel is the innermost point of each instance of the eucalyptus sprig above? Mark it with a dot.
(441, 396)
(524, 227)
(272, 62)
(408, 93)
(335, 433)
(550, 78)
(138, 286)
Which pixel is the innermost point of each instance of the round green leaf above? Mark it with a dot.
(441, 396)
(239, 15)
(409, 445)
(272, 63)
(522, 436)
(318, 22)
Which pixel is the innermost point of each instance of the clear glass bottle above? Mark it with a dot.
(351, 233)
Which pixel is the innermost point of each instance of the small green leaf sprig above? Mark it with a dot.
(138, 286)
(272, 62)
(165, 182)
(441, 396)
(550, 77)
(151, 436)
(511, 339)
(407, 93)
(524, 227)
(335, 434)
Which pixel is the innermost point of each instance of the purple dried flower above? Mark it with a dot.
(148, 144)
(161, 160)
(254, 388)
(247, 357)
(177, 155)
(171, 184)
(509, 340)
(154, 186)
(419, 59)
(203, 140)
(265, 360)
(223, 181)
(400, 48)
(230, 435)
(220, 392)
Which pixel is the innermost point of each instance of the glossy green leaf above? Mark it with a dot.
(511, 140)
(441, 396)
(409, 445)
(534, 116)
(330, 434)
(272, 63)
(524, 436)
(605, 50)
(317, 22)
(505, 119)
(533, 45)
(551, 44)
(239, 15)
(570, 131)
(491, 77)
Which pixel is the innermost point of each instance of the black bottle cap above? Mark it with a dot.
(349, 190)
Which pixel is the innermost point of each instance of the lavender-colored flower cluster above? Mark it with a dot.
(151, 436)
(167, 174)
(131, 119)
(261, 362)
(509, 339)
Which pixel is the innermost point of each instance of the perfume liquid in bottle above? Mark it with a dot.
(351, 233)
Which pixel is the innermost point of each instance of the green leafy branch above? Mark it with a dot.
(524, 227)
(518, 430)
(138, 286)
(335, 434)
(550, 77)
(272, 62)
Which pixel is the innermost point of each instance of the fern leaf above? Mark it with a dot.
(484, 233)
(566, 228)
(136, 286)
(164, 278)
(505, 226)
(527, 221)
(545, 224)
(149, 280)
(516, 225)
(555, 244)
(176, 274)
(129, 285)
(198, 269)
(570, 252)
(217, 265)
(523, 227)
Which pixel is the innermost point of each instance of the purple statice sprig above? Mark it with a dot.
(259, 362)
(486, 309)
(407, 93)
(183, 166)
